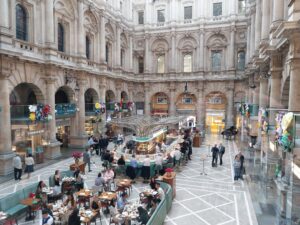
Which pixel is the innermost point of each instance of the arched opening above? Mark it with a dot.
(61, 97)
(90, 98)
(110, 100)
(28, 131)
(160, 104)
(215, 111)
(139, 101)
(186, 105)
(21, 23)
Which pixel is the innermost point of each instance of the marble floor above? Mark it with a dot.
(212, 199)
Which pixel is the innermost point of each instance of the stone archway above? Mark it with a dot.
(90, 98)
(186, 105)
(216, 103)
(64, 94)
(160, 104)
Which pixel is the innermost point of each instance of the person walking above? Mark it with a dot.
(17, 164)
(215, 152)
(237, 167)
(29, 164)
(87, 158)
(242, 169)
(221, 153)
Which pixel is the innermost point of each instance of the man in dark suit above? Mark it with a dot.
(215, 152)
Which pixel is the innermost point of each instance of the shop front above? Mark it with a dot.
(215, 121)
(159, 104)
(63, 131)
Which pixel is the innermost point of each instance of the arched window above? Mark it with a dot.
(21, 23)
(106, 53)
(216, 58)
(241, 60)
(161, 64)
(122, 58)
(187, 63)
(141, 64)
(61, 37)
(87, 47)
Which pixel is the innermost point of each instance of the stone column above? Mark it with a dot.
(229, 109)
(147, 100)
(263, 93)
(81, 33)
(278, 11)
(118, 47)
(231, 55)
(102, 88)
(257, 24)
(173, 58)
(275, 92)
(252, 33)
(6, 153)
(294, 93)
(52, 150)
(49, 20)
(200, 108)
(201, 50)
(172, 106)
(147, 55)
(248, 43)
(102, 40)
(4, 15)
(265, 24)
(130, 53)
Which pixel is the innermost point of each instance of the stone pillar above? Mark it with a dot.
(147, 100)
(278, 11)
(118, 47)
(4, 15)
(49, 20)
(6, 153)
(257, 24)
(52, 150)
(172, 106)
(102, 88)
(229, 109)
(173, 58)
(231, 56)
(263, 93)
(252, 33)
(256, 95)
(294, 93)
(265, 24)
(81, 33)
(201, 50)
(248, 43)
(147, 55)
(275, 92)
(130, 53)
(200, 108)
(102, 40)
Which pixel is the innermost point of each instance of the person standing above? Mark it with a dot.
(221, 153)
(87, 158)
(215, 152)
(237, 167)
(242, 169)
(17, 164)
(29, 163)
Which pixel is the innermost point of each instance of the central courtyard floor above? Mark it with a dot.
(212, 199)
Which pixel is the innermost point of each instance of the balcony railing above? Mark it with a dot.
(65, 110)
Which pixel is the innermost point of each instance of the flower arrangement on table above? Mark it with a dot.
(76, 155)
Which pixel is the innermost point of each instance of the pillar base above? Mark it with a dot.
(79, 142)
(6, 163)
(52, 150)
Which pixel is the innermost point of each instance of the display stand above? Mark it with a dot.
(171, 180)
(203, 158)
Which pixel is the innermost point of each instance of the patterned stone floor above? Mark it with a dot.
(212, 199)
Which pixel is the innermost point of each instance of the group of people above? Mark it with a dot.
(217, 153)
(18, 166)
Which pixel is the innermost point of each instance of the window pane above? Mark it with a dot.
(21, 23)
(187, 63)
(241, 60)
(216, 60)
(141, 17)
(161, 64)
(188, 12)
(122, 58)
(242, 6)
(60, 38)
(87, 47)
(217, 9)
(106, 53)
(141, 65)
(161, 16)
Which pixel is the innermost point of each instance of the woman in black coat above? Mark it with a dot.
(74, 218)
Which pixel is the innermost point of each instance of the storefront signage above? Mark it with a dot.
(35, 132)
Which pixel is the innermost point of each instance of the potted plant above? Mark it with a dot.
(77, 155)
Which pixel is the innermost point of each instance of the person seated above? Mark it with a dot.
(113, 213)
(74, 218)
(99, 181)
(79, 180)
(160, 191)
(143, 215)
(39, 190)
(169, 158)
(57, 178)
(109, 177)
(70, 201)
(95, 203)
(149, 202)
(152, 183)
(122, 201)
(154, 204)
(121, 161)
(111, 157)
(47, 218)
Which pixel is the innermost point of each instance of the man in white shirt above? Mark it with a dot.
(158, 163)
(146, 168)
(146, 161)
(17, 164)
(160, 191)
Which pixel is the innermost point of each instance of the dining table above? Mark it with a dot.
(30, 203)
(106, 198)
(84, 196)
(87, 215)
(61, 212)
(123, 185)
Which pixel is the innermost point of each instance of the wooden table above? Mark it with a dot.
(123, 184)
(30, 202)
(108, 196)
(87, 219)
(171, 180)
(84, 196)
(80, 165)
